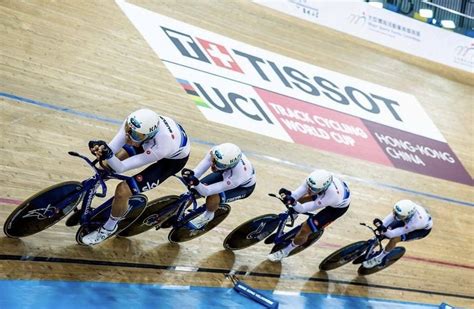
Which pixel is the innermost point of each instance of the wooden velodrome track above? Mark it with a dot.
(86, 58)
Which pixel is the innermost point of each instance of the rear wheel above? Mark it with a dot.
(388, 260)
(185, 233)
(155, 214)
(43, 209)
(251, 232)
(343, 255)
(136, 204)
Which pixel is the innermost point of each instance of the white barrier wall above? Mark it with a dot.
(384, 27)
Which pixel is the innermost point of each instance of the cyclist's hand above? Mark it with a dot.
(379, 224)
(101, 150)
(189, 178)
(286, 197)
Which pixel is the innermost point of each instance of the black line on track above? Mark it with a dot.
(218, 271)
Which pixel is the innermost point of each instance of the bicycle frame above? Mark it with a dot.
(183, 201)
(90, 187)
(283, 217)
(373, 242)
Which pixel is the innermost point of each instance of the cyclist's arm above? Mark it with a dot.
(216, 188)
(203, 166)
(308, 206)
(411, 226)
(228, 183)
(388, 220)
(132, 162)
(119, 140)
(300, 191)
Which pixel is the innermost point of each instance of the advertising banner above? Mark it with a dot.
(384, 27)
(239, 85)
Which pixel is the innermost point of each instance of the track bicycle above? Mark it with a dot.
(361, 251)
(52, 204)
(175, 212)
(262, 227)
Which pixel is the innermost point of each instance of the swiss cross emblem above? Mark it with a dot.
(219, 55)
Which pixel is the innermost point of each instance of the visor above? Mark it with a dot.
(219, 165)
(397, 217)
(133, 135)
(316, 191)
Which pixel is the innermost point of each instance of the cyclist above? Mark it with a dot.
(320, 190)
(232, 178)
(144, 138)
(408, 221)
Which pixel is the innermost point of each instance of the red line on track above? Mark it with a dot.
(9, 201)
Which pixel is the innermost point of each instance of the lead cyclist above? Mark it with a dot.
(144, 138)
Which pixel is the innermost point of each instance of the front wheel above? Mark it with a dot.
(388, 260)
(43, 209)
(251, 232)
(184, 233)
(312, 238)
(343, 255)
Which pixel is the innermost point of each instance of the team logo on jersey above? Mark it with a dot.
(150, 186)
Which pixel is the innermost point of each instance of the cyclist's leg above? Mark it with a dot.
(317, 222)
(226, 196)
(146, 180)
(119, 204)
(393, 241)
(414, 235)
(312, 225)
(213, 201)
(122, 191)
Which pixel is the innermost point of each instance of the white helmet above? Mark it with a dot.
(404, 210)
(319, 180)
(142, 125)
(225, 156)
